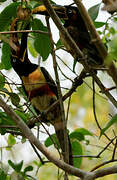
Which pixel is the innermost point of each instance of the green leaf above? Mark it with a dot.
(22, 92)
(7, 14)
(28, 168)
(38, 163)
(77, 150)
(22, 115)
(112, 30)
(5, 120)
(17, 167)
(14, 99)
(84, 131)
(80, 134)
(11, 140)
(50, 140)
(93, 11)
(99, 24)
(59, 44)
(6, 56)
(77, 135)
(3, 175)
(32, 49)
(109, 124)
(42, 41)
(2, 81)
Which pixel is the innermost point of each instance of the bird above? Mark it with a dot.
(38, 85)
(76, 27)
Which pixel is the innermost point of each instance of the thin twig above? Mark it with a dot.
(24, 31)
(104, 163)
(68, 107)
(105, 148)
(35, 150)
(64, 74)
(94, 110)
(114, 150)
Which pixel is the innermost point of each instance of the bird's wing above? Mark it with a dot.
(50, 81)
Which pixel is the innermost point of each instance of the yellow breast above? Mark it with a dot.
(34, 80)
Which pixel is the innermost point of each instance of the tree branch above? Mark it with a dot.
(24, 31)
(105, 171)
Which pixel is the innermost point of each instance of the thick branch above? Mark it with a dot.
(105, 171)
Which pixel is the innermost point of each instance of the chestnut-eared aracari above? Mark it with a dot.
(40, 88)
(76, 27)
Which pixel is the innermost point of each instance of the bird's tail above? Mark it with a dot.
(61, 138)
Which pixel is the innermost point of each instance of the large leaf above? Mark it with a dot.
(50, 140)
(77, 135)
(22, 115)
(14, 97)
(11, 141)
(17, 167)
(5, 119)
(28, 168)
(77, 150)
(31, 48)
(6, 55)
(42, 41)
(99, 24)
(109, 124)
(93, 11)
(80, 134)
(7, 14)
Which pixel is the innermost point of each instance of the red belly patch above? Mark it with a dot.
(43, 90)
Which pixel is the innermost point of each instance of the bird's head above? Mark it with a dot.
(64, 12)
(70, 14)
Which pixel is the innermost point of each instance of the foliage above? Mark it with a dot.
(81, 120)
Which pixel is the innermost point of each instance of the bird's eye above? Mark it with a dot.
(69, 11)
(14, 60)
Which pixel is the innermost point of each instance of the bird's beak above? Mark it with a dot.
(60, 11)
